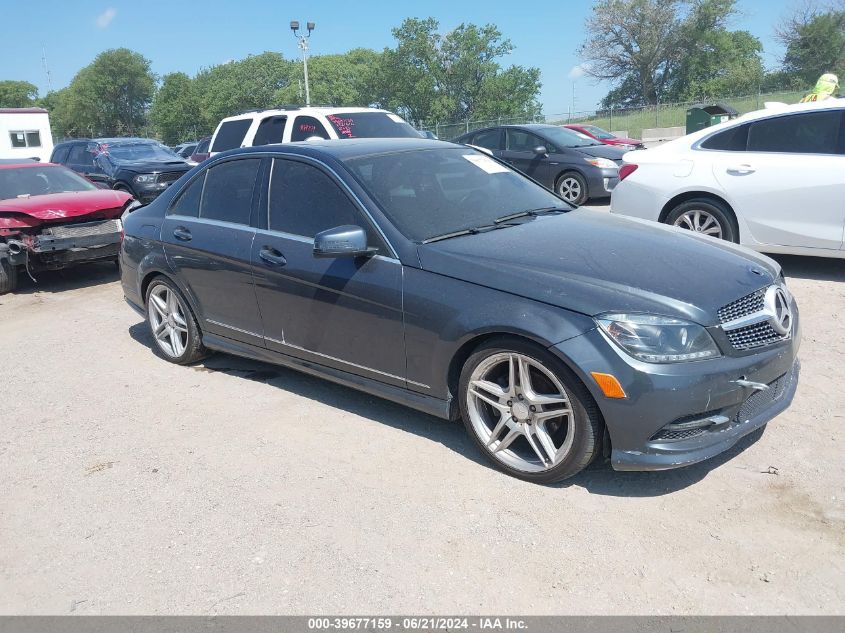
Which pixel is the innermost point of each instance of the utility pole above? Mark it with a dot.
(302, 41)
(46, 68)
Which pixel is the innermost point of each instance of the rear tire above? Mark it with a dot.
(8, 276)
(173, 326)
(572, 187)
(705, 216)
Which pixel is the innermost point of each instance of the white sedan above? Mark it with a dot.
(773, 180)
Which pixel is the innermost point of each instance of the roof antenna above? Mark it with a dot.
(46, 69)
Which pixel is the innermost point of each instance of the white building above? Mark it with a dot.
(25, 133)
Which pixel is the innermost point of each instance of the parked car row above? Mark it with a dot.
(572, 165)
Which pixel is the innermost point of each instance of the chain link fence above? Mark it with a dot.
(632, 121)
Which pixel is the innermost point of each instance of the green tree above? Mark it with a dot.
(432, 77)
(815, 43)
(257, 81)
(659, 50)
(109, 97)
(17, 94)
(175, 113)
(334, 79)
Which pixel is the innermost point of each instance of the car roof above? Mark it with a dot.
(347, 148)
(306, 110)
(123, 140)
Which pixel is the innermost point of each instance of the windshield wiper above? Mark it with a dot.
(471, 231)
(529, 212)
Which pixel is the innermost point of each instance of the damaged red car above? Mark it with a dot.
(51, 218)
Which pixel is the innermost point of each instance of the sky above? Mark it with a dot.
(181, 35)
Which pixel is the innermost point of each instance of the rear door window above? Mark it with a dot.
(306, 127)
(805, 133)
(227, 195)
(732, 140)
(231, 135)
(188, 202)
(491, 139)
(270, 130)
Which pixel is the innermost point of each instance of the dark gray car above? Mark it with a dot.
(435, 276)
(571, 164)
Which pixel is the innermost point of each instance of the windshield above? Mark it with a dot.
(564, 137)
(598, 132)
(432, 192)
(39, 181)
(141, 153)
(370, 125)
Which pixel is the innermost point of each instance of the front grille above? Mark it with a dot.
(753, 336)
(763, 399)
(170, 176)
(86, 229)
(748, 304)
(683, 434)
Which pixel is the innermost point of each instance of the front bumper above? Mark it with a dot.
(601, 182)
(63, 245)
(661, 395)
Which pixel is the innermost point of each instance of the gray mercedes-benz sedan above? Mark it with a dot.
(435, 276)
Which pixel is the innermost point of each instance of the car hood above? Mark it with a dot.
(603, 151)
(146, 167)
(591, 263)
(623, 141)
(62, 206)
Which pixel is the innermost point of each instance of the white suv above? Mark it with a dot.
(291, 124)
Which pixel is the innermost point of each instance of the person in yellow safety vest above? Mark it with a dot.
(825, 87)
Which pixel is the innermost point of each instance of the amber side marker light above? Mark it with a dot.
(608, 384)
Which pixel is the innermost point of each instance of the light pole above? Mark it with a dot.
(303, 46)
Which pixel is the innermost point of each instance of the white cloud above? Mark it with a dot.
(578, 71)
(105, 18)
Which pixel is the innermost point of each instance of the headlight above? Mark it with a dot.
(657, 339)
(145, 178)
(603, 163)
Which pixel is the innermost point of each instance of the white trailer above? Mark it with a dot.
(25, 133)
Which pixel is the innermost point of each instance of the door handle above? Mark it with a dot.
(741, 169)
(272, 256)
(182, 234)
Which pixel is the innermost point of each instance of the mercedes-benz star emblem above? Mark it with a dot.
(777, 306)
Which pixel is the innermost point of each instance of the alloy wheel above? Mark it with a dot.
(521, 412)
(167, 321)
(570, 189)
(701, 222)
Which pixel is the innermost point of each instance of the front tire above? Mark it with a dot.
(572, 187)
(172, 324)
(705, 216)
(527, 412)
(8, 276)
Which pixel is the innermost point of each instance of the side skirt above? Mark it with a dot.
(420, 402)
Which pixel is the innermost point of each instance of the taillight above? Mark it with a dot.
(626, 170)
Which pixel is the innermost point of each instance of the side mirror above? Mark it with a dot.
(343, 241)
(541, 150)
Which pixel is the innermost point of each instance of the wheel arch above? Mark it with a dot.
(699, 195)
(148, 277)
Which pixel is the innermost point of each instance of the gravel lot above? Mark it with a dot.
(133, 486)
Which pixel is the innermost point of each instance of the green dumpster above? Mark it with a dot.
(704, 115)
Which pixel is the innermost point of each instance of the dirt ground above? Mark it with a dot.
(132, 486)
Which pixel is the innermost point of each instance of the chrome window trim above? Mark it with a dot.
(326, 356)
